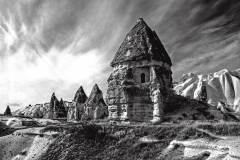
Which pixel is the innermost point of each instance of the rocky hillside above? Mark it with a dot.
(36, 111)
(220, 89)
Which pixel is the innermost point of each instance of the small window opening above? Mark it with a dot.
(143, 78)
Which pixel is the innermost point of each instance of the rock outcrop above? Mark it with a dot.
(37, 110)
(60, 110)
(141, 78)
(8, 111)
(220, 89)
(91, 108)
(34, 111)
(76, 109)
(52, 106)
(95, 107)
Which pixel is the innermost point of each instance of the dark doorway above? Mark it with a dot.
(142, 78)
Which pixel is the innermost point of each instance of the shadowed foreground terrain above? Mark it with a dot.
(185, 140)
(190, 129)
(128, 142)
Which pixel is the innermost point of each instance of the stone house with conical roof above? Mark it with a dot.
(141, 78)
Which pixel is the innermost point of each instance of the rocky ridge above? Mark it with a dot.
(221, 89)
(37, 110)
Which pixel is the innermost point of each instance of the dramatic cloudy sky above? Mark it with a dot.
(57, 45)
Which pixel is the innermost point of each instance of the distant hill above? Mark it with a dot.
(221, 88)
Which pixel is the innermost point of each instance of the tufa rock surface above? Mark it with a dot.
(8, 111)
(52, 106)
(38, 110)
(76, 109)
(90, 108)
(95, 107)
(141, 43)
(80, 96)
(141, 79)
(60, 111)
(34, 111)
(220, 89)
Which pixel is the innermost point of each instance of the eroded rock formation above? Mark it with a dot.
(76, 109)
(95, 107)
(220, 89)
(8, 111)
(39, 110)
(52, 106)
(141, 78)
(87, 108)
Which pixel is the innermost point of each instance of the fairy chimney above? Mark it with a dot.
(141, 78)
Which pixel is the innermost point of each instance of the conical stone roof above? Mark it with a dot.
(80, 96)
(96, 96)
(141, 43)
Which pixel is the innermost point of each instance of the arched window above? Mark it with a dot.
(143, 78)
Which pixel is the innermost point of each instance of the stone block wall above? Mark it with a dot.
(130, 99)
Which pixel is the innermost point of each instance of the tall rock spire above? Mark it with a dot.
(95, 106)
(76, 109)
(8, 111)
(80, 96)
(141, 43)
(95, 95)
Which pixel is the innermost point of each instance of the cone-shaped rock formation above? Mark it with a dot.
(8, 111)
(95, 106)
(80, 96)
(76, 110)
(52, 107)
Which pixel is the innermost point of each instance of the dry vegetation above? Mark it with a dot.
(91, 141)
(105, 140)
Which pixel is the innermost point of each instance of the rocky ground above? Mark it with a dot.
(23, 138)
(186, 140)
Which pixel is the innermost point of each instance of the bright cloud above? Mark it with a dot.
(20, 76)
(57, 45)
